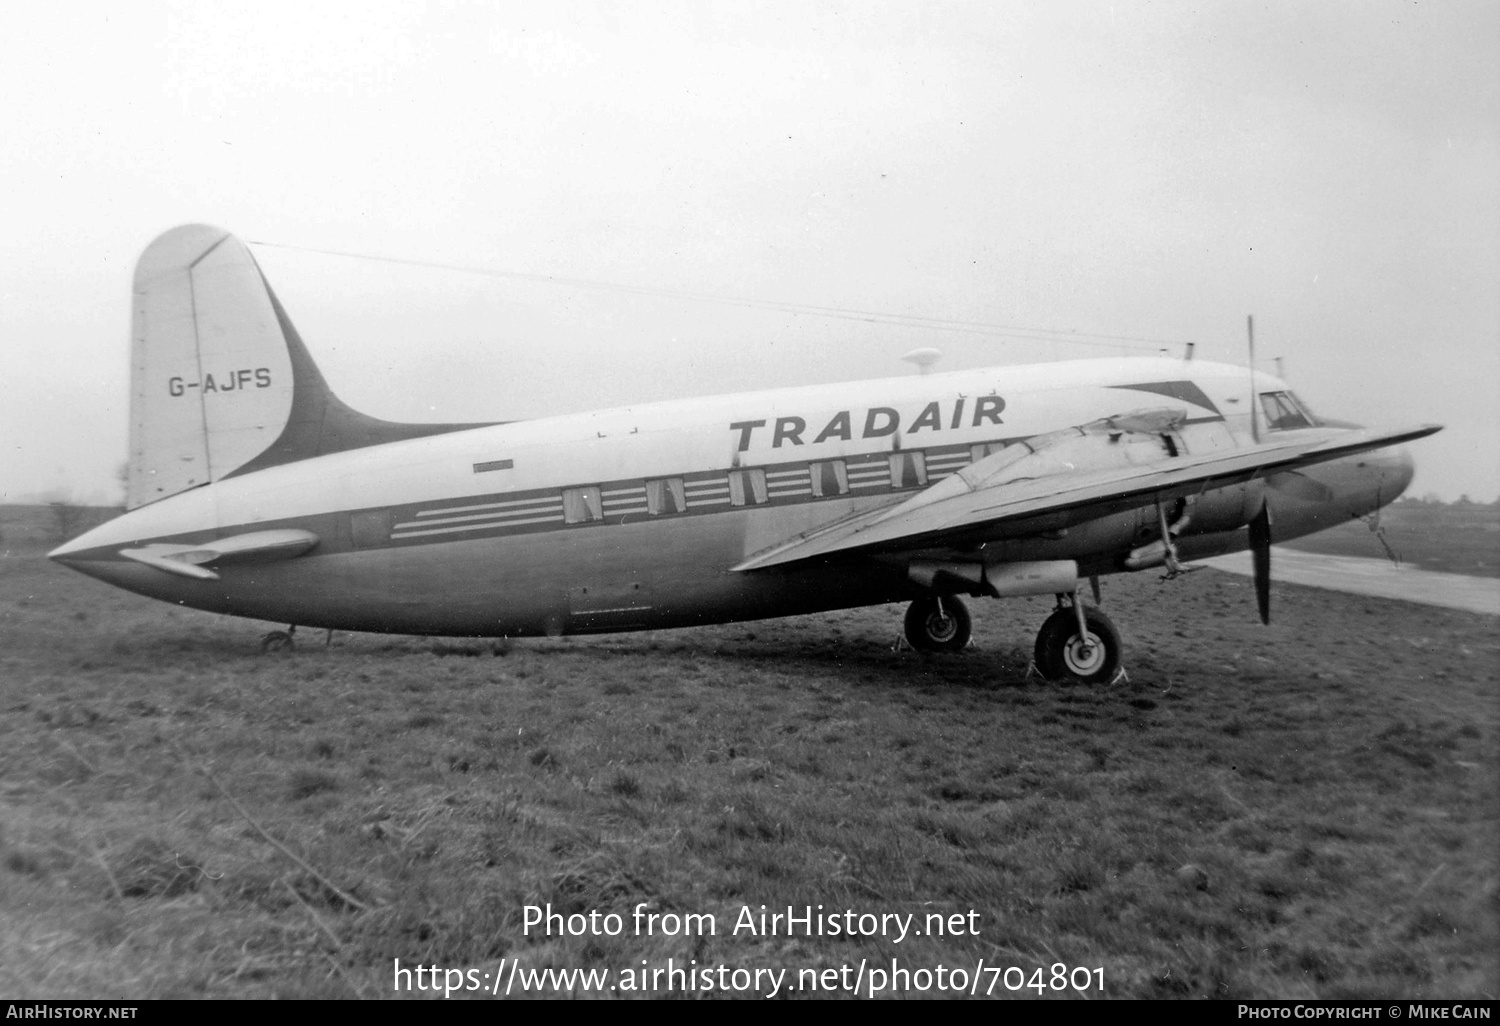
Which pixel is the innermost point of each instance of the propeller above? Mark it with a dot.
(1260, 557)
(1260, 526)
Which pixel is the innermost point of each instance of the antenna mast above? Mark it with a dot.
(1254, 417)
(923, 358)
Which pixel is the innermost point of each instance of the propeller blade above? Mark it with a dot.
(1260, 556)
(1300, 486)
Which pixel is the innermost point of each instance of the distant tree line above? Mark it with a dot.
(1462, 502)
(70, 519)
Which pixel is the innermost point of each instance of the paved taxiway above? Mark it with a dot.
(1373, 577)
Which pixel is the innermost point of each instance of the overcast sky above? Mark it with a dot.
(1134, 171)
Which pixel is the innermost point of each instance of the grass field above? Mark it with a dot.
(1308, 809)
(1448, 539)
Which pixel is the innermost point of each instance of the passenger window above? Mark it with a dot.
(747, 487)
(830, 477)
(666, 495)
(908, 469)
(582, 505)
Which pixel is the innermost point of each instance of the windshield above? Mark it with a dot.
(1283, 412)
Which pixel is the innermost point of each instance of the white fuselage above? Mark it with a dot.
(632, 517)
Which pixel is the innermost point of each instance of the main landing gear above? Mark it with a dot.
(1076, 643)
(938, 623)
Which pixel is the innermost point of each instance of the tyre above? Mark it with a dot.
(277, 641)
(1062, 655)
(938, 624)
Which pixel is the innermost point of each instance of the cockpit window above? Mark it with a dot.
(1283, 412)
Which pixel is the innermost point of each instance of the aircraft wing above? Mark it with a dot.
(964, 508)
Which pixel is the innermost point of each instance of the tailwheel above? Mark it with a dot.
(938, 623)
(278, 641)
(1062, 653)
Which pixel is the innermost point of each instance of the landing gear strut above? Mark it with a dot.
(938, 623)
(1078, 643)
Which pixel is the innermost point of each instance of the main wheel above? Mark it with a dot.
(938, 624)
(1062, 655)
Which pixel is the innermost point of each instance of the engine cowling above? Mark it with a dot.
(1132, 537)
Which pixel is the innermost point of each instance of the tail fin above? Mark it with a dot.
(221, 384)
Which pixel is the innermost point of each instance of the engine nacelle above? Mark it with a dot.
(1144, 438)
(1133, 439)
(1221, 509)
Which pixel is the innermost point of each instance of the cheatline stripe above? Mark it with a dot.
(485, 505)
(474, 527)
(495, 518)
(862, 472)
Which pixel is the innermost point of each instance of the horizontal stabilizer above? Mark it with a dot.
(966, 504)
(193, 560)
